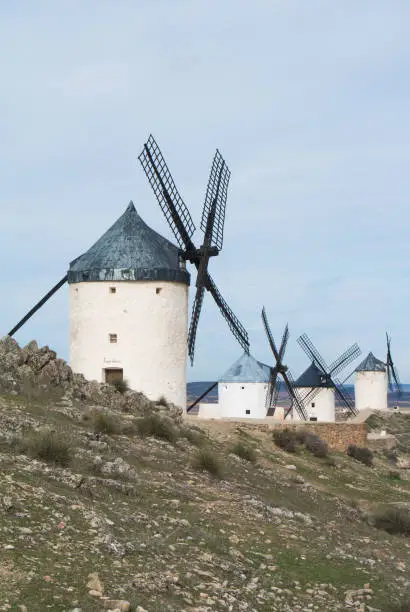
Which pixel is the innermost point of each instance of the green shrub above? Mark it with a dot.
(286, 439)
(162, 401)
(105, 423)
(193, 435)
(157, 427)
(207, 461)
(394, 519)
(47, 446)
(394, 475)
(316, 445)
(364, 455)
(121, 385)
(301, 435)
(244, 451)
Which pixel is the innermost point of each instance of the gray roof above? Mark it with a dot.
(247, 369)
(129, 250)
(371, 364)
(312, 377)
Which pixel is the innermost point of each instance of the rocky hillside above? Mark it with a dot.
(111, 502)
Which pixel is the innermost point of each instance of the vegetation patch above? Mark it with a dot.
(121, 386)
(286, 439)
(364, 455)
(105, 423)
(162, 401)
(207, 461)
(47, 446)
(316, 445)
(244, 451)
(194, 435)
(157, 427)
(394, 520)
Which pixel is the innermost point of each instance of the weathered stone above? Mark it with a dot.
(94, 583)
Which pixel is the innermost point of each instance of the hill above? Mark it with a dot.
(128, 506)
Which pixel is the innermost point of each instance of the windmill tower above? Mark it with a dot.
(128, 293)
(370, 384)
(318, 385)
(242, 389)
(372, 379)
(128, 310)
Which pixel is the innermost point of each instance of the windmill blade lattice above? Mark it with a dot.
(392, 374)
(215, 201)
(307, 345)
(280, 369)
(180, 221)
(234, 324)
(169, 199)
(329, 373)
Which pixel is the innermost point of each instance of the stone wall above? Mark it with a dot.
(338, 436)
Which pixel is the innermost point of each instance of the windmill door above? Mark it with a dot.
(113, 375)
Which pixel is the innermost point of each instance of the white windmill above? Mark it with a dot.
(373, 377)
(128, 294)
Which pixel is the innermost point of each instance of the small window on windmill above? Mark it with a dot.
(112, 338)
(313, 404)
(158, 290)
(247, 411)
(113, 290)
(313, 419)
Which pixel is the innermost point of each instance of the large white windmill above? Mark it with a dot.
(128, 294)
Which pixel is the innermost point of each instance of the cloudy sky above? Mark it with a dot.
(309, 104)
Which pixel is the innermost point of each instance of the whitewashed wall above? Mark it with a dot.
(235, 399)
(370, 390)
(151, 329)
(324, 405)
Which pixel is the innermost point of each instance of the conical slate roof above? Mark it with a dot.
(246, 369)
(312, 377)
(371, 364)
(129, 250)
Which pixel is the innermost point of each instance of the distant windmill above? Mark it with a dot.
(324, 374)
(372, 379)
(279, 369)
(180, 222)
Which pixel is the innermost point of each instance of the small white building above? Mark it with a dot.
(242, 391)
(128, 311)
(317, 395)
(370, 385)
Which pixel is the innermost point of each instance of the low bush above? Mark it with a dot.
(207, 461)
(394, 519)
(105, 423)
(286, 439)
(157, 427)
(162, 401)
(121, 385)
(47, 446)
(316, 445)
(394, 475)
(244, 451)
(193, 435)
(364, 455)
(301, 435)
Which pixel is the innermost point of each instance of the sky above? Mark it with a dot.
(308, 103)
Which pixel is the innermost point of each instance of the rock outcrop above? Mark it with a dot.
(32, 371)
